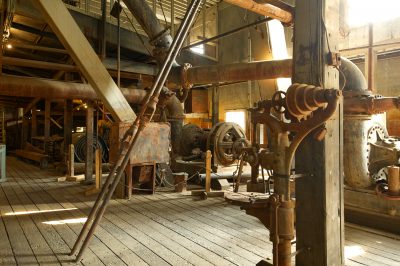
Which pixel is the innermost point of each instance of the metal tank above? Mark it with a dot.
(367, 148)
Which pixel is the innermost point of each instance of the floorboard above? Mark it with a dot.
(41, 218)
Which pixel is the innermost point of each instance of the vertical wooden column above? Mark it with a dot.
(89, 143)
(68, 121)
(215, 105)
(71, 160)
(34, 122)
(47, 112)
(371, 60)
(24, 127)
(319, 195)
(208, 171)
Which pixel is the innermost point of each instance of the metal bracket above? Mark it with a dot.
(334, 59)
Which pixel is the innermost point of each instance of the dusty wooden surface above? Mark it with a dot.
(163, 229)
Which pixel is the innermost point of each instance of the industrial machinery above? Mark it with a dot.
(223, 139)
(290, 117)
(372, 190)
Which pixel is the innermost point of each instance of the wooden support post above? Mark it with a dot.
(98, 173)
(99, 170)
(89, 143)
(24, 128)
(47, 112)
(208, 171)
(71, 160)
(71, 36)
(68, 121)
(319, 195)
(371, 60)
(215, 105)
(71, 166)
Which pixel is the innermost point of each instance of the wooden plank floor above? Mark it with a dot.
(40, 220)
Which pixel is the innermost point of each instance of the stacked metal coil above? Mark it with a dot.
(79, 141)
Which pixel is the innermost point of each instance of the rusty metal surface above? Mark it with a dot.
(240, 72)
(370, 104)
(264, 9)
(222, 140)
(367, 150)
(197, 101)
(152, 145)
(159, 37)
(393, 181)
(302, 100)
(356, 149)
(306, 108)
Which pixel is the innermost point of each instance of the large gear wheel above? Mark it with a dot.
(222, 141)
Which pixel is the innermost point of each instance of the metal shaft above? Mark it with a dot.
(139, 124)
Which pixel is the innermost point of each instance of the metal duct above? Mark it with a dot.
(355, 80)
(258, 70)
(159, 37)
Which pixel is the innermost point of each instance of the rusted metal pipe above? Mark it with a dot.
(370, 104)
(265, 10)
(239, 72)
(278, 3)
(45, 88)
(159, 37)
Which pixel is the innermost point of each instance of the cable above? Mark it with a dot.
(136, 31)
(162, 10)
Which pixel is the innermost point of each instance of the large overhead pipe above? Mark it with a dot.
(159, 37)
(238, 72)
(265, 10)
(34, 87)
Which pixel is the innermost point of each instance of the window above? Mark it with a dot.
(238, 117)
(199, 49)
(279, 49)
(362, 12)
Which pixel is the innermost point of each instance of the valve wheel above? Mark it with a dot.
(278, 101)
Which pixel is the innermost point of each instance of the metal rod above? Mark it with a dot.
(228, 33)
(119, 48)
(137, 126)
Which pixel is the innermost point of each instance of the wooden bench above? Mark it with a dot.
(42, 159)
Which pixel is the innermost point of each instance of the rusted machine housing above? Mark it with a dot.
(222, 140)
(290, 117)
(368, 151)
(154, 146)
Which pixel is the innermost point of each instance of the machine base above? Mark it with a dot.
(365, 208)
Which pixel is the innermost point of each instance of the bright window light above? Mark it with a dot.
(238, 117)
(199, 49)
(279, 49)
(362, 12)
(34, 212)
(353, 251)
(67, 221)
